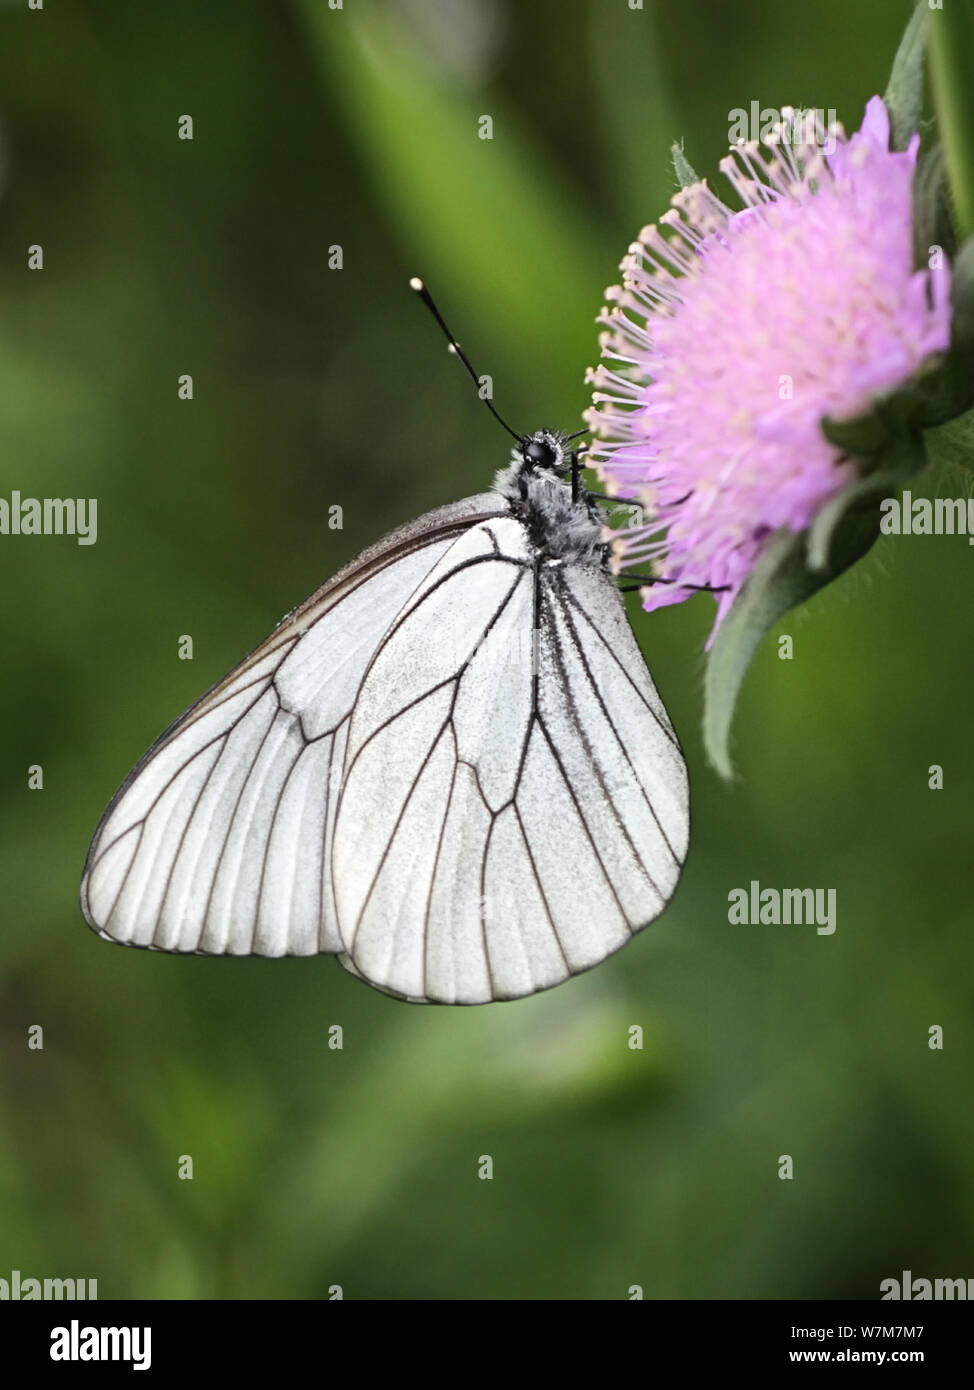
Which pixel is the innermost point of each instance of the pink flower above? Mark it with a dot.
(735, 332)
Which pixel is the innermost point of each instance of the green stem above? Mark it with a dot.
(951, 66)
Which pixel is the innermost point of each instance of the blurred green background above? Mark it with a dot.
(316, 1167)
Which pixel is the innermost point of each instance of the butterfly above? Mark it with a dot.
(449, 766)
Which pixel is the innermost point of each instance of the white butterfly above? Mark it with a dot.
(449, 766)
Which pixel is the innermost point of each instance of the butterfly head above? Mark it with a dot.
(543, 464)
(543, 489)
(545, 451)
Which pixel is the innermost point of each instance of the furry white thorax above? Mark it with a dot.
(539, 496)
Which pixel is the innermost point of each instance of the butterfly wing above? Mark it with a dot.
(514, 802)
(219, 840)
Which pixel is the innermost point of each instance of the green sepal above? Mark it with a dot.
(904, 94)
(856, 504)
(933, 220)
(682, 167)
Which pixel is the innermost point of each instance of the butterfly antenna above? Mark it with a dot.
(454, 347)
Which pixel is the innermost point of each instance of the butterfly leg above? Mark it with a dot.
(644, 579)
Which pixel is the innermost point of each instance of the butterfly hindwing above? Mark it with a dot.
(514, 802)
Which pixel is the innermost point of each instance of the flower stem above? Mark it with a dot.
(951, 64)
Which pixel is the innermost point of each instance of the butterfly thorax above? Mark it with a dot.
(537, 485)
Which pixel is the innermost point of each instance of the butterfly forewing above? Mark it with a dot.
(219, 840)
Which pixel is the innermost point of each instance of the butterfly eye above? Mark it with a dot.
(539, 454)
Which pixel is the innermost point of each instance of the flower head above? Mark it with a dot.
(736, 332)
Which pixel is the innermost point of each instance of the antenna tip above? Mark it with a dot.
(416, 284)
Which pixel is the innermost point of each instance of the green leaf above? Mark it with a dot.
(682, 167)
(951, 61)
(952, 443)
(781, 580)
(778, 583)
(904, 94)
